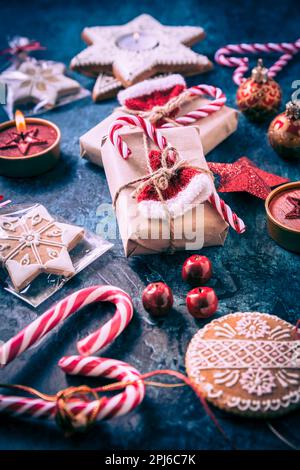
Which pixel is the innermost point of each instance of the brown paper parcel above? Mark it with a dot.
(199, 226)
(214, 129)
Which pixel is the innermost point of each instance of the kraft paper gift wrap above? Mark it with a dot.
(213, 130)
(199, 226)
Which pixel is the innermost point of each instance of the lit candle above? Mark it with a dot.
(28, 147)
(137, 41)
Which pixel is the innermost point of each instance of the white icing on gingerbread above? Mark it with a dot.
(248, 363)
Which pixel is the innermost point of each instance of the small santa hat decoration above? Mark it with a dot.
(174, 189)
(154, 92)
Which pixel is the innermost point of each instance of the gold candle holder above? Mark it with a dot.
(42, 156)
(286, 236)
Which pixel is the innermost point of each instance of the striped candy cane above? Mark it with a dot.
(287, 49)
(114, 134)
(81, 410)
(226, 213)
(215, 105)
(136, 121)
(57, 314)
(109, 407)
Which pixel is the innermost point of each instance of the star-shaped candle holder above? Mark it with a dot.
(140, 49)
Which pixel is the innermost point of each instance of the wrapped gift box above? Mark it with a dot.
(213, 130)
(197, 227)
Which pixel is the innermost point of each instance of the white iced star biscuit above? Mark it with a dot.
(39, 81)
(36, 243)
(157, 49)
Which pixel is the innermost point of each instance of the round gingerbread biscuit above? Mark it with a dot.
(247, 363)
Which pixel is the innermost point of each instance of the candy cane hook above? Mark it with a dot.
(137, 121)
(57, 314)
(109, 407)
(206, 110)
(242, 63)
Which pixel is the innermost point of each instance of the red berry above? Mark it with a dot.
(202, 302)
(157, 298)
(196, 270)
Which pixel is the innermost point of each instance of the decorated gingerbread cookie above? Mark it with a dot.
(106, 86)
(140, 49)
(39, 81)
(247, 363)
(36, 243)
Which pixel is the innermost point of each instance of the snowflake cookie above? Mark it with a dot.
(36, 243)
(140, 49)
(247, 363)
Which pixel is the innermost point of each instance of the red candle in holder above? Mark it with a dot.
(283, 214)
(28, 147)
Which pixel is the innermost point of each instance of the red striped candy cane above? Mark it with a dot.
(109, 407)
(136, 121)
(57, 314)
(226, 213)
(203, 111)
(95, 367)
(287, 49)
(114, 134)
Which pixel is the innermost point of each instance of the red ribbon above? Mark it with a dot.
(15, 50)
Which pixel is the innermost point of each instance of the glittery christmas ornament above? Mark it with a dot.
(243, 175)
(284, 131)
(259, 97)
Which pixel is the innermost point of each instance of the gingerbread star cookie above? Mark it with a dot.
(39, 81)
(106, 86)
(140, 49)
(36, 243)
(247, 363)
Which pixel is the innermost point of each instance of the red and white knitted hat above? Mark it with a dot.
(154, 92)
(184, 190)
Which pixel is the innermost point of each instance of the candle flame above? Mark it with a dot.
(20, 122)
(136, 36)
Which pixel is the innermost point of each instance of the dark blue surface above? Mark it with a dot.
(251, 272)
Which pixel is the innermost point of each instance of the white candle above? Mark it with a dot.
(138, 41)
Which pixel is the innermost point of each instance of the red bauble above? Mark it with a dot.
(157, 298)
(202, 302)
(196, 270)
(284, 132)
(259, 97)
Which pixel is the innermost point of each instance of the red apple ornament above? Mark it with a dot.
(196, 270)
(202, 302)
(157, 299)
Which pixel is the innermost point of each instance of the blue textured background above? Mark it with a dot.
(251, 272)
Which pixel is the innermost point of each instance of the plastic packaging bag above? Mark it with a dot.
(33, 240)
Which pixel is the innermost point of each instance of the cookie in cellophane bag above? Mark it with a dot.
(40, 252)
